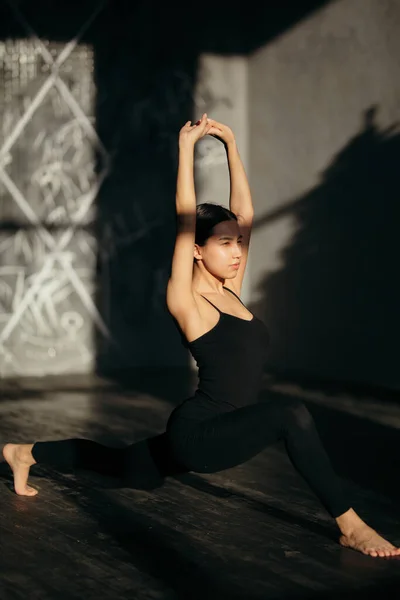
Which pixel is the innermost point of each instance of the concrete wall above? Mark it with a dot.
(222, 92)
(48, 187)
(324, 154)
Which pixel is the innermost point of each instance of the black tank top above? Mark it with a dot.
(231, 359)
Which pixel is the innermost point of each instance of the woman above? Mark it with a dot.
(223, 425)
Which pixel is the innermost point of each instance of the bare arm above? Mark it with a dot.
(179, 291)
(240, 201)
(182, 262)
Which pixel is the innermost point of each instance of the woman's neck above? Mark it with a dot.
(205, 282)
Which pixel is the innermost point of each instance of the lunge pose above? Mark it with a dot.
(223, 424)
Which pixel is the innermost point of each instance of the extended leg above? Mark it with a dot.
(142, 465)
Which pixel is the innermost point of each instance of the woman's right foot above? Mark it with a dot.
(369, 542)
(20, 459)
(359, 536)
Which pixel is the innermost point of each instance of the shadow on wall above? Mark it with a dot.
(333, 308)
(144, 96)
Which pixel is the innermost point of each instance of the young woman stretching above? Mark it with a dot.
(223, 425)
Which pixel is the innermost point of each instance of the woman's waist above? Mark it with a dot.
(236, 392)
(201, 406)
(207, 403)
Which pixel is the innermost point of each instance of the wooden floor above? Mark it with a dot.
(255, 531)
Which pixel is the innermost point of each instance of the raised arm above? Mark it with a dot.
(240, 201)
(179, 291)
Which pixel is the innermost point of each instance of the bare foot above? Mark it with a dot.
(20, 459)
(366, 540)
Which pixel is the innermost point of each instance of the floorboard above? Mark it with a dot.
(252, 532)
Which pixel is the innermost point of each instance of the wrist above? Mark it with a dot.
(186, 146)
(231, 145)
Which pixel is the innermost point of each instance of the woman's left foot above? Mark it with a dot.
(20, 459)
(366, 540)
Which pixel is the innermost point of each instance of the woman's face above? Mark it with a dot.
(222, 253)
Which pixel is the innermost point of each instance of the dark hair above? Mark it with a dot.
(207, 217)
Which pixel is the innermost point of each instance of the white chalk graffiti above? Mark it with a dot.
(46, 296)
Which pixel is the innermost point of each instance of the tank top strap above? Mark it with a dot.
(209, 301)
(232, 292)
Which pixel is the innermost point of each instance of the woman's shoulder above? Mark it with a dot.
(193, 315)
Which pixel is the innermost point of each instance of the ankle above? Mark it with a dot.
(24, 453)
(349, 522)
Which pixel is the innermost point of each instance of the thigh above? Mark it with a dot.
(228, 439)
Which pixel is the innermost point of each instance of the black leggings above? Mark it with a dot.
(217, 443)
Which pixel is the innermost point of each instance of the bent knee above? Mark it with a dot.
(299, 414)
